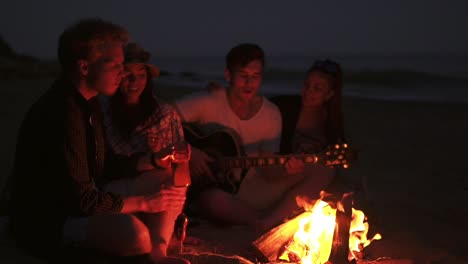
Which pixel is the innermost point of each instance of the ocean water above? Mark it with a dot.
(401, 77)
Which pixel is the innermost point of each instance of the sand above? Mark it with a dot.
(412, 159)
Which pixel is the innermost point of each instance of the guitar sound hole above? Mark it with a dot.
(216, 166)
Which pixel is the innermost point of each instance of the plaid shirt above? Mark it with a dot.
(165, 122)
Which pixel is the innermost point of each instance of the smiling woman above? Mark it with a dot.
(134, 83)
(138, 123)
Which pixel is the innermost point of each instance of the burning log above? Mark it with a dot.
(329, 231)
(271, 242)
(340, 249)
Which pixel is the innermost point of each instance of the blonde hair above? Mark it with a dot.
(86, 39)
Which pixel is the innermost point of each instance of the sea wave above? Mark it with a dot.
(381, 77)
(415, 77)
(394, 85)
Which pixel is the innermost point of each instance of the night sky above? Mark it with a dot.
(211, 27)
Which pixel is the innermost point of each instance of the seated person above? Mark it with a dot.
(136, 122)
(311, 121)
(255, 123)
(316, 115)
(58, 186)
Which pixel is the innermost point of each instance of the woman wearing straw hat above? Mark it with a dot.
(138, 123)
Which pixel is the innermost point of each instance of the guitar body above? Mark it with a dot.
(218, 144)
(245, 184)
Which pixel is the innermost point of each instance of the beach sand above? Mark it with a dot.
(412, 157)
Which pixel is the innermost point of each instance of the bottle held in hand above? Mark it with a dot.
(181, 230)
(180, 164)
(181, 174)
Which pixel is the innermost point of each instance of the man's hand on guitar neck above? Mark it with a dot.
(294, 166)
(200, 165)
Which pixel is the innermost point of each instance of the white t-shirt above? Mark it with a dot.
(259, 134)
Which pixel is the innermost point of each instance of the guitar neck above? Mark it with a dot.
(268, 161)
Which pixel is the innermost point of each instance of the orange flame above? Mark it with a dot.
(312, 242)
(358, 233)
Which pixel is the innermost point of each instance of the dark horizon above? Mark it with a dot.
(211, 28)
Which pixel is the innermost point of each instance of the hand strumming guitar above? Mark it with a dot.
(200, 166)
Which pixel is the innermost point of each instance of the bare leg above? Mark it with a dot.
(160, 225)
(222, 206)
(117, 235)
(161, 228)
(316, 178)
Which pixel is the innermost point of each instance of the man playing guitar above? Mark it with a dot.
(257, 123)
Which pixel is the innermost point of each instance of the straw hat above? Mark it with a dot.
(134, 54)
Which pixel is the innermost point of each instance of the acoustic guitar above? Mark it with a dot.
(234, 168)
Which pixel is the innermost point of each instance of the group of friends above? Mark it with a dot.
(95, 155)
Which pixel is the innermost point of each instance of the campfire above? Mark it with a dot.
(329, 230)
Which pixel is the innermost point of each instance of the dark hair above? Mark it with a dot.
(148, 105)
(243, 54)
(86, 38)
(334, 127)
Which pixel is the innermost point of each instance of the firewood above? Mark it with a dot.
(270, 243)
(340, 247)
